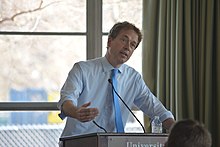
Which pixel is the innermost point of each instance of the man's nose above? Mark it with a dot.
(127, 45)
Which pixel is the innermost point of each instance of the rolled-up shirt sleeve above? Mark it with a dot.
(72, 86)
(166, 115)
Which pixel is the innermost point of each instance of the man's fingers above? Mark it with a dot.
(86, 104)
(87, 114)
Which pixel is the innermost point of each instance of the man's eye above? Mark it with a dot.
(133, 45)
(123, 39)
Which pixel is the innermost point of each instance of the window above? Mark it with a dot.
(40, 41)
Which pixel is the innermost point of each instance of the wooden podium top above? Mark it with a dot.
(116, 140)
(113, 134)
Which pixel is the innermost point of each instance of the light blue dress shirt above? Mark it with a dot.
(88, 82)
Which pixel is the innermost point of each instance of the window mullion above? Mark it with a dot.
(94, 28)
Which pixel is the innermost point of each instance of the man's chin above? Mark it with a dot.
(124, 60)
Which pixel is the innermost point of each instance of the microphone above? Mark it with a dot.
(110, 81)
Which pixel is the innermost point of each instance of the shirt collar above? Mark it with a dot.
(106, 66)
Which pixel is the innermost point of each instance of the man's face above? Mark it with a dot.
(122, 47)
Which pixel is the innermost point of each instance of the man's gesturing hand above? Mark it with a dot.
(85, 114)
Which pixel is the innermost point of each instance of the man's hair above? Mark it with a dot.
(189, 133)
(115, 30)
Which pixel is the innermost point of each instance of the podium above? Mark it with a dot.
(115, 140)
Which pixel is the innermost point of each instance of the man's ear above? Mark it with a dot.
(109, 42)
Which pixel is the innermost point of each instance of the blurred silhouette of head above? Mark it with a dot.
(189, 133)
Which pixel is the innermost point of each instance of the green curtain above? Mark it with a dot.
(181, 58)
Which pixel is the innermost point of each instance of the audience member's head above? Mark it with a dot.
(189, 133)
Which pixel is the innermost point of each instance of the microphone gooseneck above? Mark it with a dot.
(110, 81)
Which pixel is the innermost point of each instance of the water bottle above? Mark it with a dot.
(156, 125)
